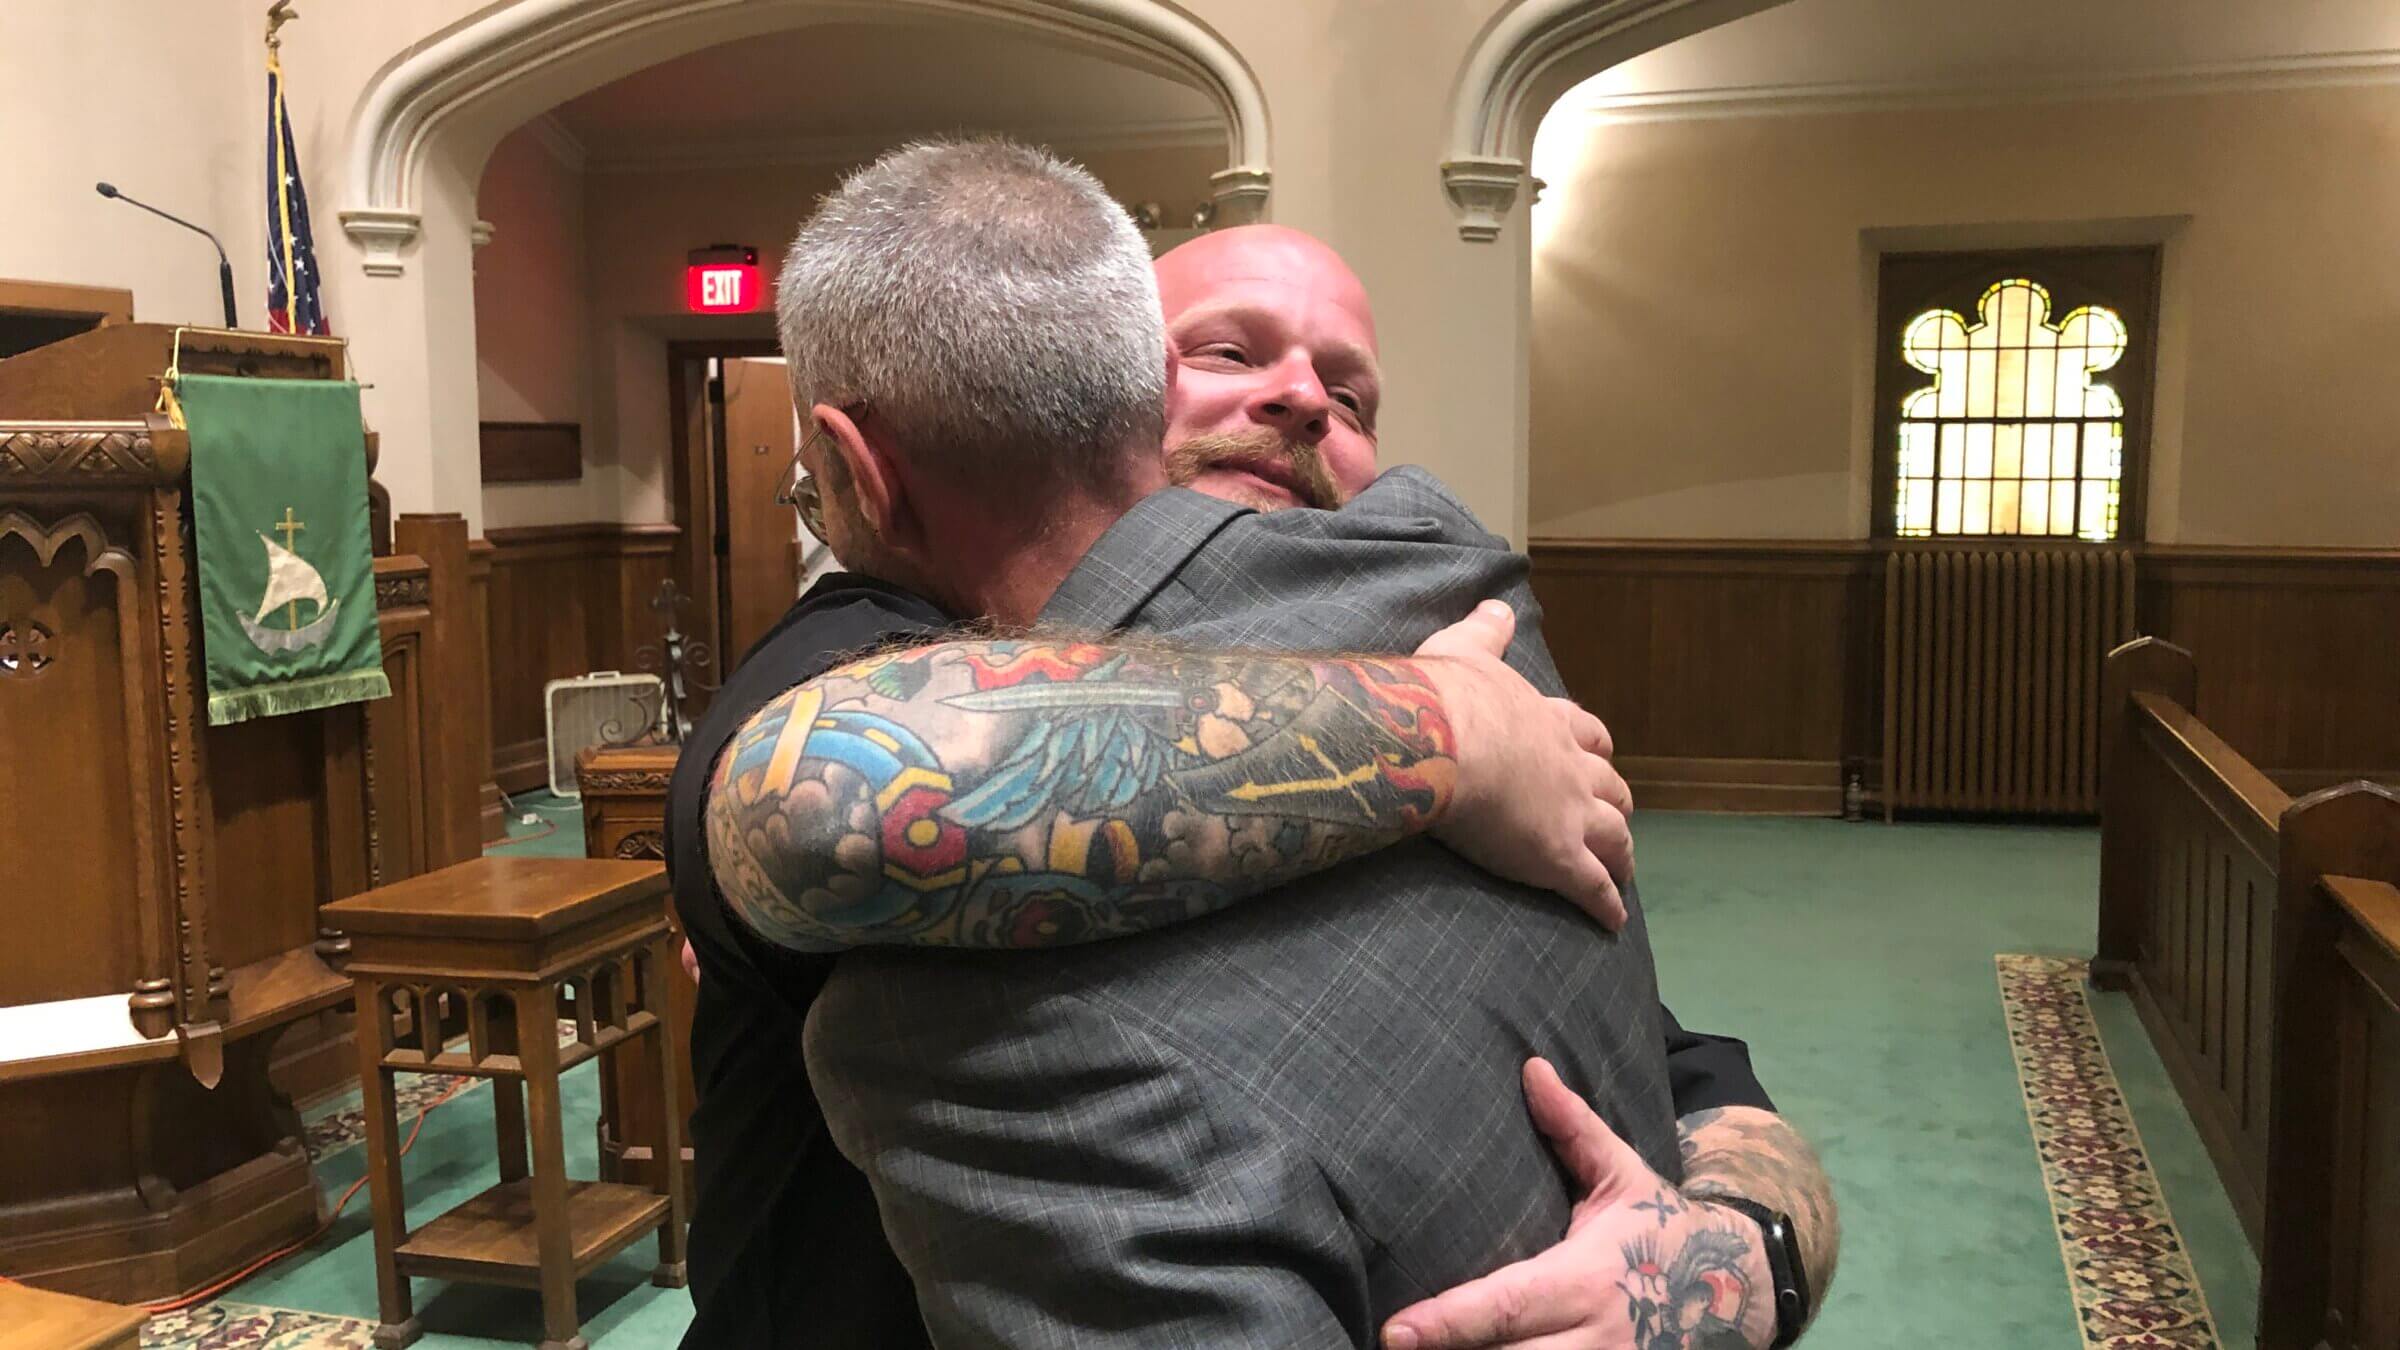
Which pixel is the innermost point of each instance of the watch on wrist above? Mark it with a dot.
(1790, 1278)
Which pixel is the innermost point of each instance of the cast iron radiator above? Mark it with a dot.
(1991, 675)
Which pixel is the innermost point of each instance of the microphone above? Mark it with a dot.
(224, 265)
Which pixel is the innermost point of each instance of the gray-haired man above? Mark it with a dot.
(1269, 1127)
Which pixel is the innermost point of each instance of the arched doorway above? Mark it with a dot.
(556, 314)
(430, 120)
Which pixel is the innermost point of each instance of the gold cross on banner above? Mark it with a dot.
(290, 528)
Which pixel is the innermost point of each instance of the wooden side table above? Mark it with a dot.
(518, 943)
(36, 1319)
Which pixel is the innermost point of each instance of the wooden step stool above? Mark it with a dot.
(515, 944)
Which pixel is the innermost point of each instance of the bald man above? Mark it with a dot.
(1273, 403)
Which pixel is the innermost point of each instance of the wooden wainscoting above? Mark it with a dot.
(1728, 670)
(1746, 675)
(2300, 650)
(564, 600)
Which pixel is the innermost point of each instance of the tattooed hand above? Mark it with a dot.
(1641, 1267)
(1537, 800)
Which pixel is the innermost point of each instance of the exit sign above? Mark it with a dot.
(721, 279)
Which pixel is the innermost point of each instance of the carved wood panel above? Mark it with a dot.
(395, 760)
(2205, 967)
(267, 871)
(61, 683)
(2365, 1250)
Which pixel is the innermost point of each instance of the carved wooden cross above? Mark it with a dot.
(23, 650)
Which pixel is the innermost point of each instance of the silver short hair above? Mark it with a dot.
(991, 304)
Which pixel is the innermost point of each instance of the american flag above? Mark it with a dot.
(294, 304)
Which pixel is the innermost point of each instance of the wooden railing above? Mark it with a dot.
(2187, 900)
(2260, 940)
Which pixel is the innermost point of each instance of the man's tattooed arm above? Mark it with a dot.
(1078, 792)
(1746, 1152)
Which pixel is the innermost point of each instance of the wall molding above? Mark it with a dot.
(1524, 59)
(515, 543)
(478, 64)
(2313, 71)
(766, 152)
(560, 142)
(1751, 787)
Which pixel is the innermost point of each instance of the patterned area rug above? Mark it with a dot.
(346, 1127)
(228, 1326)
(2126, 1264)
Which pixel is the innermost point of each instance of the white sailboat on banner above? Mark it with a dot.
(290, 580)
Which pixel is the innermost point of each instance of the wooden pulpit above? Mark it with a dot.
(159, 921)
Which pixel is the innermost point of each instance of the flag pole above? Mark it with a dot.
(279, 14)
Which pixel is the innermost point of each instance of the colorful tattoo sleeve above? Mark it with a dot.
(1038, 793)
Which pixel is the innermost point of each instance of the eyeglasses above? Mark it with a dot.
(801, 491)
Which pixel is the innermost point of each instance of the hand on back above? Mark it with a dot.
(1537, 800)
(1642, 1266)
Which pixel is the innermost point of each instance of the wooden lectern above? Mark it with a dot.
(159, 922)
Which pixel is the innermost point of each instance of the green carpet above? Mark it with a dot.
(1857, 961)
(556, 830)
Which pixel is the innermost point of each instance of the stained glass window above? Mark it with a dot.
(2015, 434)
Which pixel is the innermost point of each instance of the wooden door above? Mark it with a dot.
(758, 563)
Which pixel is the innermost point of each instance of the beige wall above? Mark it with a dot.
(67, 122)
(533, 326)
(1702, 303)
(168, 101)
(165, 97)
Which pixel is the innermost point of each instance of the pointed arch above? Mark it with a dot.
(504, 66)
(1532, 52)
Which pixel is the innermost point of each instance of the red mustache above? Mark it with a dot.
(1294, 465)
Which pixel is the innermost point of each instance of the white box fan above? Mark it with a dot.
(605, 707)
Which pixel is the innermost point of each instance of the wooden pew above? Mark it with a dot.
(2260, 940)
(2188, 857)
(2330, 1263)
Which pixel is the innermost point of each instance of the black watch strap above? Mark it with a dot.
(1784, 1267)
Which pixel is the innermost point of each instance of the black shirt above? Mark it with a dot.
(786, 1247)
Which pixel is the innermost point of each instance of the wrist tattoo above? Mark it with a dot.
(1752, 1154)
(1689, 1294)
(1036, 793)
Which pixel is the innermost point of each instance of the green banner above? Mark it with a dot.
(287, 575)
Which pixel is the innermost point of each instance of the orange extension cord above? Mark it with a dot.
(208, 1292)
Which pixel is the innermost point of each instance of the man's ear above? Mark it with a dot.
(875, 484)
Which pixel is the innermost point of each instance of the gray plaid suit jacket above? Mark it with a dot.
(1278, 1125)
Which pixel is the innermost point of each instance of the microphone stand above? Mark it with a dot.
(224, 264)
